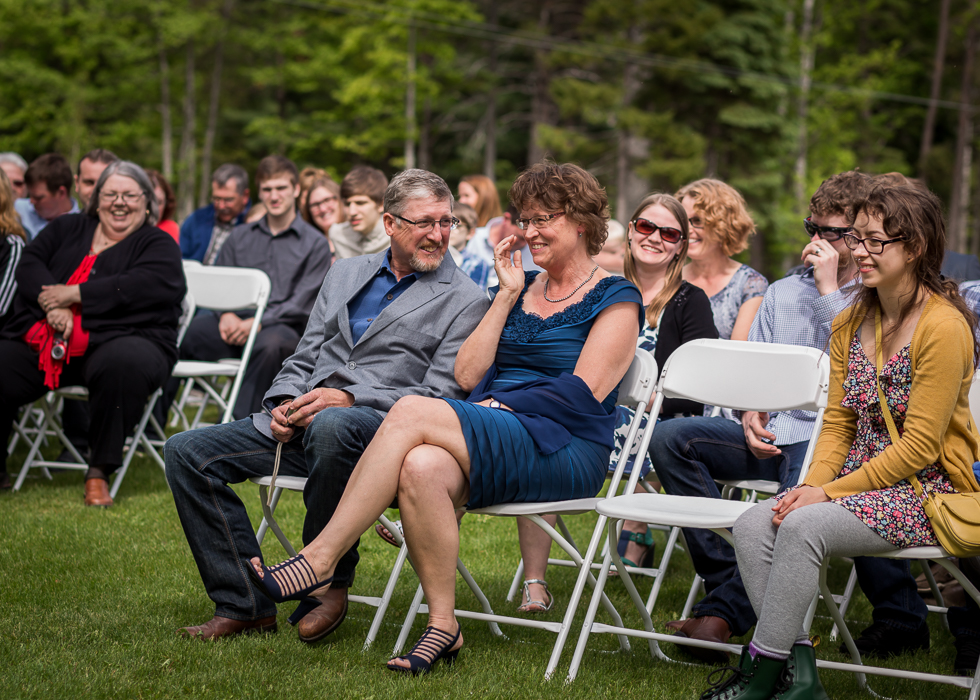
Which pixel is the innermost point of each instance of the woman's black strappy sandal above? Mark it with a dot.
(434, 644)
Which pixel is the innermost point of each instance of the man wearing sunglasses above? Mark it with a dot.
(690, 453)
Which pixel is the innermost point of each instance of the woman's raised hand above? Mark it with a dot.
(509, 274)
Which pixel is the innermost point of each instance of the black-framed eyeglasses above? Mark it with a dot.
(538, 221)
(426, 225)
(827, 233)
(668, 234)
(873, 245)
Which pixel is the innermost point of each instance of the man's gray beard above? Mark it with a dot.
(420, 266)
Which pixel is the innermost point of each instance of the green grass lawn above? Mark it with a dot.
(90, 600)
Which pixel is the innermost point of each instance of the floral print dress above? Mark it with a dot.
(894, 512)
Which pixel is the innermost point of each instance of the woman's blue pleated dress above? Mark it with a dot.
(507, 462)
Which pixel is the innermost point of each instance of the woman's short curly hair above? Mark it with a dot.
(569, 188)
(726, 220)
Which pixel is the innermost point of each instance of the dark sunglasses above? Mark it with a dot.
(648, 228)
(828, 233)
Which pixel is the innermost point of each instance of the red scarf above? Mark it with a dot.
(41, 336)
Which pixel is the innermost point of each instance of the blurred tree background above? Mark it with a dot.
(772, 96)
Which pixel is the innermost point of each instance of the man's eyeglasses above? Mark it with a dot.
(668, 234)
(127, 197)
(873, 245)
(538, 221)
(827, 233)
(426, 225)
(224, 201)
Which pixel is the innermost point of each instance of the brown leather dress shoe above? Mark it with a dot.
(707, 628)
(97, 493)
(218, 627)
(324, 618)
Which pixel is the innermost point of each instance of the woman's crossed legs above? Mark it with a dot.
(419, 454)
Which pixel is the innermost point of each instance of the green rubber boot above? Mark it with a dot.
(754, 679)
(800, 680)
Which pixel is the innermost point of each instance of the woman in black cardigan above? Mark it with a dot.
(108, 285)
(676, 312)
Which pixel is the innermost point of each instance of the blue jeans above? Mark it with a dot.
(201, 464)
(689, 454)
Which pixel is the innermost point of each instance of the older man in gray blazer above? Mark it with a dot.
(384, 326)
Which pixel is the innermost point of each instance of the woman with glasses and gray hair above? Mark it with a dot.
(98, 303)
(542, 369)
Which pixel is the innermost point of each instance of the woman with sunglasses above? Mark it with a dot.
(543, 367)
(720, 227)
(907, 343)
(676, 312)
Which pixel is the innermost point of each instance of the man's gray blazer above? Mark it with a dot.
(409, 349)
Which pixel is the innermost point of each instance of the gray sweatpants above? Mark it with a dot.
(780, 567)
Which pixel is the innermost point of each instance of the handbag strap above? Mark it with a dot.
(885, 411)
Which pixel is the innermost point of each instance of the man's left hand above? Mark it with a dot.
(803, 496)
(306, 407)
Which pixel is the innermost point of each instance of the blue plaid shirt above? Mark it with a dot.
(793, 312)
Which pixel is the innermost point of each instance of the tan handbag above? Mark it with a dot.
(955, 517)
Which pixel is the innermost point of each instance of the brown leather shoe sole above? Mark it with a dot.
(221, 627)
(323, 620)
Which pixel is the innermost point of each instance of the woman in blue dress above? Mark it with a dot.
(543, 367)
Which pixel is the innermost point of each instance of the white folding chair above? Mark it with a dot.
(223, 289)
(721, 373)
(49, 424)
(635, 390)
(296, 483)
(925, 555)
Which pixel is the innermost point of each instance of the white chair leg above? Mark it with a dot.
(845, 600)
(697, 586)
(515, 585)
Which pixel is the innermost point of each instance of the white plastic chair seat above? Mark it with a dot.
(290, 483)
(573, 507)
(197, 368)
(760, 485)
(674, 511)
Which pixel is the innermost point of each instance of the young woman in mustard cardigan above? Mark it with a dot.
(856, 499)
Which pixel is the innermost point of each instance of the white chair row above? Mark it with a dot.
(635, 391)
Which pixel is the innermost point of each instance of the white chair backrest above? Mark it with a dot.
(640, 380)
(187, 310)
(227, 288)
(751, 377)
(748, 376)
(635, 390)
(975, 400)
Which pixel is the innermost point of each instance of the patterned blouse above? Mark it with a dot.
(893, 512)
(745, 284)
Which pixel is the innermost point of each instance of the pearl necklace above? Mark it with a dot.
(569, 296)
